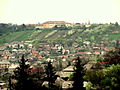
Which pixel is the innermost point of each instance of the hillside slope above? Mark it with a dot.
(96, 35)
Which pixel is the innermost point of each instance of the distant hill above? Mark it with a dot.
(97, 34)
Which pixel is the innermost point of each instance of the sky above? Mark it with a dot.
(74, 11)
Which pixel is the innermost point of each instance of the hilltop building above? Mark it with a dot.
(52, 24)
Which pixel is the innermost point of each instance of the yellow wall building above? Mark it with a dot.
(51, 24)
(4, 64)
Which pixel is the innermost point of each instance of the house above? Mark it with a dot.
(4, 64)
(30, 46)
(17, 45)
(51, 24)
(67, 85)
(64, 56)
(12, 67)
(93, 65)
(2, 48)
(97, 52)
(83, 53)
(65, 73)
(3, 86)
(59, 81)
(40, 26)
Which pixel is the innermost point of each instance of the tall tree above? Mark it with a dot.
(78, 75)
(50, 74)
(21, 74)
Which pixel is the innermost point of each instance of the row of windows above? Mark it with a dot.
(4, 65)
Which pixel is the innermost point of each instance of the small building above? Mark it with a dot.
(65, 73)
(12, 67)
(4, 64)
(93, 65)
(3, 86)
(67, 85)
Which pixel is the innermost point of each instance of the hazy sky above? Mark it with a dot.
(34, 11)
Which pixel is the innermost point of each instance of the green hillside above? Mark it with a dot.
(96, 34)
(15, 36)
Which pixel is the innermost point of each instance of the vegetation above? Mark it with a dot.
(7, 28)
(96, 33)
(21, 74)
(50, 75)
(78, 75)
(23, 79)
(107, 78)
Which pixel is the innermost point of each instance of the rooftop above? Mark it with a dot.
(55, 22)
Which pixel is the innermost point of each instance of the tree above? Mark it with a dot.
(56, 27)
(21, 75)
(78, 75)
(10, 85)
(50, 74)
(105, 79)
(113, 74)
(116, 24)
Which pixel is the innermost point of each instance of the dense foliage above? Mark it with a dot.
(51, 77)
(78, 75)
(7, 28)
(23, 79)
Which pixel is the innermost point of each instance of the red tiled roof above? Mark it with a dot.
(36, 55)
(118, 42)
(81, 53)
(31, 70)
(37, 70)
(97, 52)
(104, 62)
(54, 22)
(106, 49)
(64, 56)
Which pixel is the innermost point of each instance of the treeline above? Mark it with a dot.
(7, 28)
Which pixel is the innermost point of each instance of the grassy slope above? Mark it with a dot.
(94, 35)
(15, 36)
